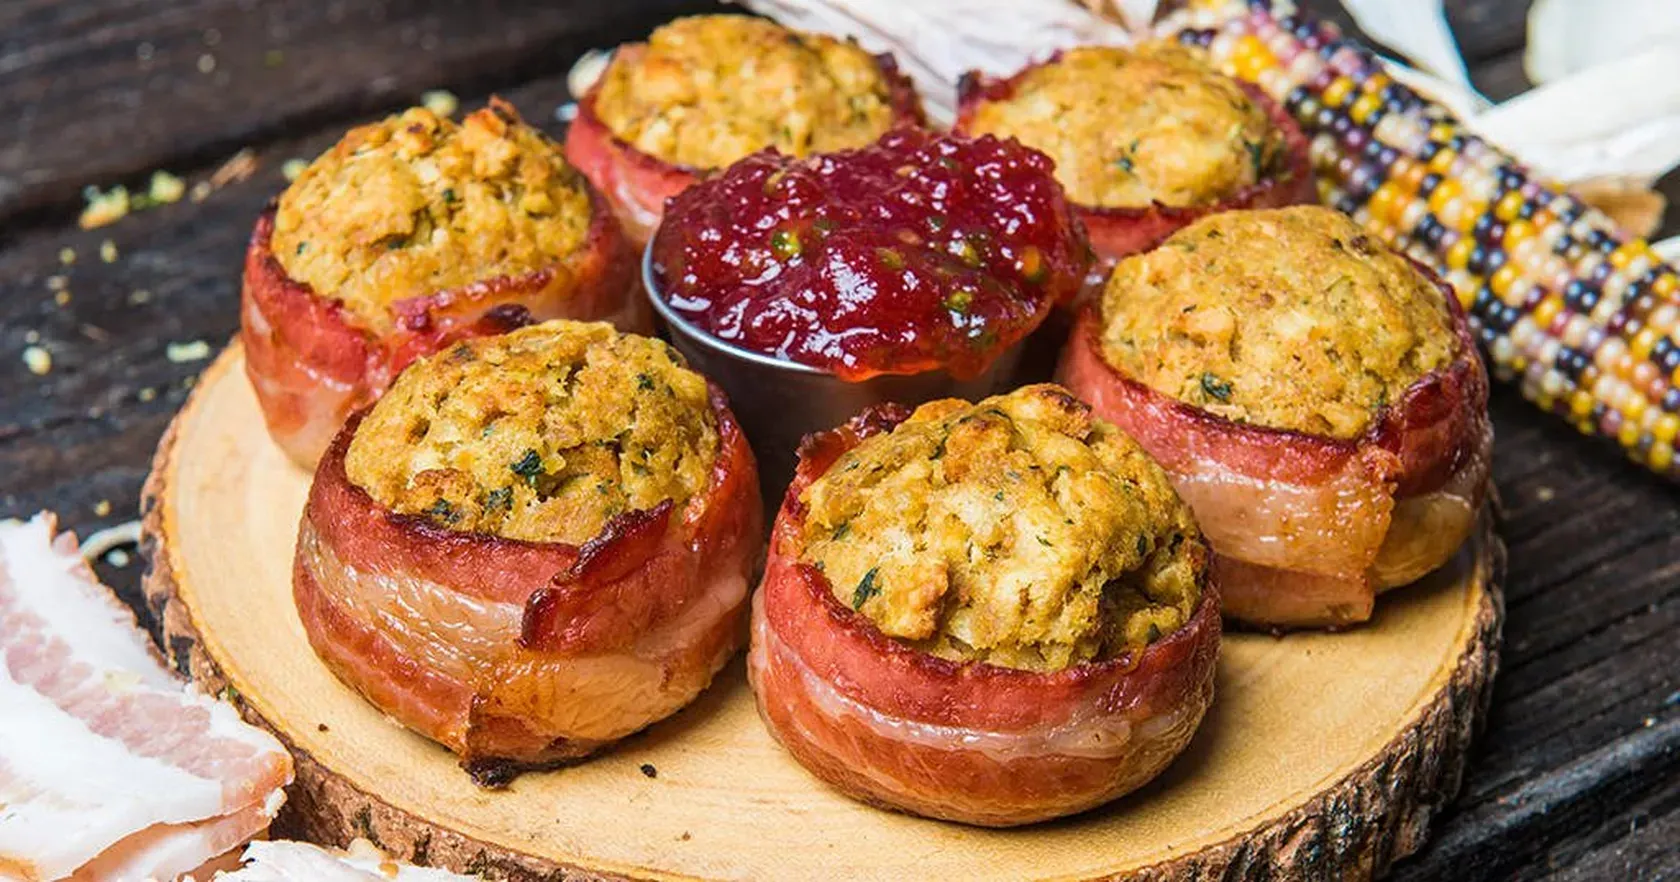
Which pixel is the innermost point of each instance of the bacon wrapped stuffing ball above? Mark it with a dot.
(707, 90)
(993, 613)
(406, 236)
(1145, 140)
(1314, 395)
(533, 545)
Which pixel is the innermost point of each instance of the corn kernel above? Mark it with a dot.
(1447, 191)
(1517, 232)
(1459, 254)
(1665, 285)
(1501, 280)
(1642, 342)
(1621, 257)
(1363, 107)
(1547, 311)
(1442, 161)
(1666, 427)
(1251, 57)
(1629, 434)
(1337, 91)
(1661, 456)
(1580, 402)
(1508, 206)
(1383, 202)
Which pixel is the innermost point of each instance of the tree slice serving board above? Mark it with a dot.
(1324, 755)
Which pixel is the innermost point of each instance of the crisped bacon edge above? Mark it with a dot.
(643, 573)
(311, 363)
(1436, 436)
(805, 641)
(636, 577)
(844, 647)
(638, 184)
(1118, 232)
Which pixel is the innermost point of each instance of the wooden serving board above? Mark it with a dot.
(1324, 755)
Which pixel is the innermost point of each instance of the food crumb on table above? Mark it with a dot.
(108, 251)
(180, 353)
(66, 255)
(440, 101)
(649, 770)
(102, 507)
(38, 360)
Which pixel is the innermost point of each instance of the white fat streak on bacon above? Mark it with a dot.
(168, 851)
(301, 862)
(100, 745)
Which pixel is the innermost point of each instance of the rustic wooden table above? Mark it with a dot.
(1576, 777)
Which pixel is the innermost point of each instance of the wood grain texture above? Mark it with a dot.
(85, 81)
(1325, 756)
(1574, 778)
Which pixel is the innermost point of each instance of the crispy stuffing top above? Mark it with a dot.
(542, 434)
(1131, 126)
(1019, 531)
(1291, 318)
(707, 90)
(417, 204)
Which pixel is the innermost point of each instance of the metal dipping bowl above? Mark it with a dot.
(779, 402)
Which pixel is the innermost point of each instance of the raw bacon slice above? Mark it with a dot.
(1306, 529)
(110, 767)
(992, 746)
(302, 862)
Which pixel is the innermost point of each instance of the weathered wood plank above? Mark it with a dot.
(103, 92)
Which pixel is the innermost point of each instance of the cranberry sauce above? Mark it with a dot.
(920, 252)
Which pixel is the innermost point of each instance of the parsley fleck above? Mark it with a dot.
(890, 258)
(785, 243)
(449, 195)
(443, 511)
(1216, 387)
(501, 497)
(302, 247)
(841, 531)
(1142, 545)
(528, 467)
(958, 301)
(866, 588)
(939, 449)
(644, 382)
(998, 496)
(1127, 160)
(1154, 633)
(1045, 542)
(1256, 155)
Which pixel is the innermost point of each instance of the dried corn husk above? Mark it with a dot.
(937, 41)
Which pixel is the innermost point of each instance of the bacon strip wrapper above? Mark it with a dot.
(311, 362)
(1307, 529)
(516, 654)
(976, 743)
(637, 184)
(111, 767)
(1120, 232)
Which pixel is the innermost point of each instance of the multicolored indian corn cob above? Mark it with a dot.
(1583, 317)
